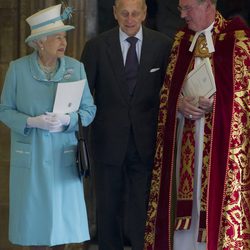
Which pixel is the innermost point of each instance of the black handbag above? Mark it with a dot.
(82, 156)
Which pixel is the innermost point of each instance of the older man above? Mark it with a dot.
(201, 185)
(125, 67)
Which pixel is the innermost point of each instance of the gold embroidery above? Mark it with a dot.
(201, 49)
(156, 174)
(240, 34)
(235, 231)
(222, 37)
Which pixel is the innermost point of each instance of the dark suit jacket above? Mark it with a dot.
(116, 112)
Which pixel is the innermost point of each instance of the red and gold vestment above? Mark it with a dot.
(227, 190)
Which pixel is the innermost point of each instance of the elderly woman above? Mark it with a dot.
(47, 205)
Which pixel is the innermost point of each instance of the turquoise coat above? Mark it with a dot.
(47, 204)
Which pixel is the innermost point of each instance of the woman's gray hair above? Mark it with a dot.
(34, 43)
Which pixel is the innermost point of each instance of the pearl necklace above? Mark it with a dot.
(49, 71)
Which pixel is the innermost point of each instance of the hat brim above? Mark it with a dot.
(48, 33)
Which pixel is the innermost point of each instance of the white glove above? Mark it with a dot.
(44, 122)
(63, 118)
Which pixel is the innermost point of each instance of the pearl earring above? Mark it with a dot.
(42, 48)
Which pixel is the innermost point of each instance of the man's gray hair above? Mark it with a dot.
(142, 1)
(212, 1)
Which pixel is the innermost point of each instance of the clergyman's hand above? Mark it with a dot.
(187, 108)
(206, 104)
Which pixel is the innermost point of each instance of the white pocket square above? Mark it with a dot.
(154, 69)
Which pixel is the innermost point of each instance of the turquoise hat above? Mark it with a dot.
(48, 22)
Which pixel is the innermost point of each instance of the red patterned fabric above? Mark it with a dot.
(228, 188)
(202, 235)
(186, 183)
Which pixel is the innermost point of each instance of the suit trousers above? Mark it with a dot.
(122, 190)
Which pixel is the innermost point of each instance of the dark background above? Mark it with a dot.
(163, 14)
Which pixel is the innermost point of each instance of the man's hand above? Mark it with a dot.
(206, 104)
(188, 109)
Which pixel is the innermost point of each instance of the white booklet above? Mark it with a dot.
(200, 81)
(68, 96)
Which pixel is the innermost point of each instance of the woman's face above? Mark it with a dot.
(55, 45)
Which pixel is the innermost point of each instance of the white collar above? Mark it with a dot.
(124, 36)
(208, 34)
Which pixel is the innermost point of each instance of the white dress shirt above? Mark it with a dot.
(125, 44)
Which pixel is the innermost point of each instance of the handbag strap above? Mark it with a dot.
(80, 129)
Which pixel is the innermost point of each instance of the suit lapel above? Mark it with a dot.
(116, 59)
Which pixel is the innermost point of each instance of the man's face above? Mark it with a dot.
(195, 14)
(130, 14)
